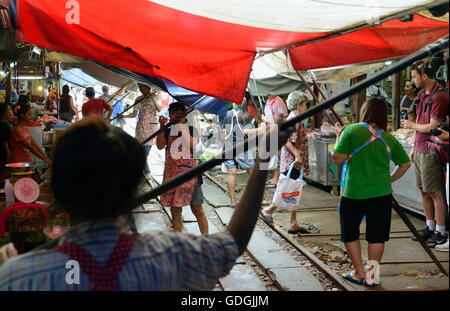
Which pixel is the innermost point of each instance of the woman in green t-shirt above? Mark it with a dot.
(367, 186)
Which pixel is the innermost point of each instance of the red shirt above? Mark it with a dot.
(438, 111)
(20, 153)
(94, 106)
(252, 111)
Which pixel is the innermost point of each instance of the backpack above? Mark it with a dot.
(430, 102)
(437, 148)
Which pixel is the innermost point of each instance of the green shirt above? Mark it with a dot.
(368, 171)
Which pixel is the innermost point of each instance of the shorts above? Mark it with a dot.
(378, 218)
(429, 174)
(197, 197)
(119, 121)
(243, 161)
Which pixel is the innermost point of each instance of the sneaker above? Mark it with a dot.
(425, 233)
(436, 239)
(442, 247)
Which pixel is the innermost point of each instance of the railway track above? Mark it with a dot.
(333, 278)
(336, 280)
(420, 267)
(416, 258)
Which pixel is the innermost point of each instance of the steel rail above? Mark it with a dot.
(290, 123)
(338, 281)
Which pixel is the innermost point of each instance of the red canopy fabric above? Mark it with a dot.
(201, 54)
(198, 53)
(392, 39)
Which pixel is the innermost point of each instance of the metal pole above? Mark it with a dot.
(203, 167)
(257, 93)
(317, 99)
(331, 108)
(406, 61)
(411, 227)
(119, 90)
(172, 122)
(137, 102)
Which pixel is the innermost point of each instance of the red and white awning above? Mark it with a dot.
(209, 45)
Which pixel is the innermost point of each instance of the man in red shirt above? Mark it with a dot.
(431, 109)
(95, 106)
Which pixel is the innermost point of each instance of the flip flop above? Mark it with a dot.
(234, 206)
(301, 230)
(365, 283)
(348, 276)
(266, 218)
(270, 184)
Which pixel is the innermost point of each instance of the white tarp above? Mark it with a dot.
(296, 15)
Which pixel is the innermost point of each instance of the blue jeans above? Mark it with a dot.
(147, 151)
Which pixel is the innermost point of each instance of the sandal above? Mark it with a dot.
(365, 283)
(267, 219)
(349, 277)
(301, 230)
(234, 206)
(270, 184)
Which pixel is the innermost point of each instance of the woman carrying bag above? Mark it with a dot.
(294, 157)
(366, 149)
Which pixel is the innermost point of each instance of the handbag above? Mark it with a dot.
(289, 191)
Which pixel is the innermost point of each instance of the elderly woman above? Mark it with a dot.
(102, 251)
(295, 150)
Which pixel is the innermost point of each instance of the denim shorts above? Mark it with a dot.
(243, 161)
(197, 197)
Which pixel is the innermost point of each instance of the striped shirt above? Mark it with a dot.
(158, 261)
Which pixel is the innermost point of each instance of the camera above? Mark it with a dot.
(435, 132)
(443, 125)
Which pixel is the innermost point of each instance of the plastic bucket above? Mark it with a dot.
(36, 131)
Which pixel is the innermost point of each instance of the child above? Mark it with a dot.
(178, 160)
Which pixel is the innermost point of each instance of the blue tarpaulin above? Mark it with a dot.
(78, 77)
(185, 96)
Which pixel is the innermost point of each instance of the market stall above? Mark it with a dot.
(405, 189)
(323, 169)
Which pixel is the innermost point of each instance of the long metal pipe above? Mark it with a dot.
(406, 61)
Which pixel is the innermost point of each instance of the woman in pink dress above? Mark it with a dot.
(179, 142)
(22, 143)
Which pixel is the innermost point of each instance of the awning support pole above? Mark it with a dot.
(317, 99)
(172, 122)
(203, 167)
(257, 94)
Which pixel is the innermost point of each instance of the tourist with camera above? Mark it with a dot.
(432, 108)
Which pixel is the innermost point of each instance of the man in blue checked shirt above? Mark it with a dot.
(102, 251)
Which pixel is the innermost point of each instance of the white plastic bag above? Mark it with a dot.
(289, 191)
(273, 163)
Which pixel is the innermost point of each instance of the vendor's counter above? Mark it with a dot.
(323, 169)
(405, 190)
